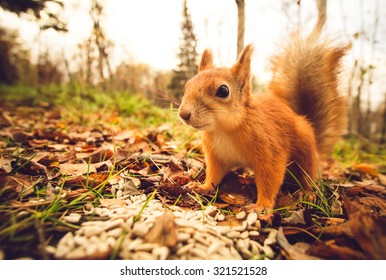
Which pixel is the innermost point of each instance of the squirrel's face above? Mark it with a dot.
(212, 101)
(215, 99)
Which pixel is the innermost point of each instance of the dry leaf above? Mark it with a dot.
(296, 251)
(296, 218)
(336, 249)
(164, 231)
(29, 167)
(369, 230)
(366, 169)
(76, 168)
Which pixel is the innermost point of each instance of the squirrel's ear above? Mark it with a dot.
(206, 61)
(242, 68)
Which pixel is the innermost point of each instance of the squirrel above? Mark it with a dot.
(297, 121)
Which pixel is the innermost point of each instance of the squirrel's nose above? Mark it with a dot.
(185, 115)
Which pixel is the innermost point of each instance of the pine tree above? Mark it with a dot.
(187, 55)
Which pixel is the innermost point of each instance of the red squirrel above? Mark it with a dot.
(298, 120)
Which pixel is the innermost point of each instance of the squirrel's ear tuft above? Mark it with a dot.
(242, 67)
(206, 61)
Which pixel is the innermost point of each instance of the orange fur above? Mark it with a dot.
(265, 133)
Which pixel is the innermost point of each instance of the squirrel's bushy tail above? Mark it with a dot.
(305, 76)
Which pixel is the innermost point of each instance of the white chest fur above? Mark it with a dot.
(228, 151)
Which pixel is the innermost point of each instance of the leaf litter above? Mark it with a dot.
(84, 193)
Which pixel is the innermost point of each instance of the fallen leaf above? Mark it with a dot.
(102, 154)
(369, 230)
(76, 168)
(366, 169)
(15, 185)
(296, 218)
(164, 230)
(29, 167)
(296, 251)
(336, 249)
(382, 179)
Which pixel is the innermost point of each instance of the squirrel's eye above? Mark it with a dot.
(222, 91)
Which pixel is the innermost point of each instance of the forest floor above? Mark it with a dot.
(64, 174)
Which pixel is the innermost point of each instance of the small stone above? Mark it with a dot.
(200, 238)
(246, 253)
(49, 249)
(119, 194)
(140, 229)
(162, 253)
(145, 247)
(252, 218)
(113, 224)
(76, 254)
(271, 239)
(214, 247)
(198, 252)
(244, 234)
(223, 229)
(116, 232)
(134, 243)
(254, 233)
(91, 248)
(72, 218)
(183, 236)
(268, 251)
(256, 247)
(92, 231)
(233, 234)
(241, 228)
(221, 217)
(210, 210)
(80, 240)
(181, 251)
(241, 215)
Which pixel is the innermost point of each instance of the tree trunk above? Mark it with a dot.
(383, 132)
(240, 25)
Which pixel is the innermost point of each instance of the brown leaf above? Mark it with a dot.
(102, 154)
(336, 249)
(369, 230)
(93, 180)
(175, 165)
(18, 184)
(49, 160)
(164, 231)
(382, 179)
(232, 191)
(335, 230)
(160, 140)
(5, 165)
(76, 168)
(21, 136)
(296, 251)
(29, 167)
(296, 218)
(374, 202)
(366, 169)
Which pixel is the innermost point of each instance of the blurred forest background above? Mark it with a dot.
(32, 73)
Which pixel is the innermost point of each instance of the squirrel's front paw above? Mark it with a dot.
(255, 208)
(202, 189)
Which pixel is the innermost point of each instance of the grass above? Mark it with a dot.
(355, 149)
(119, 108)
(149, 198)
